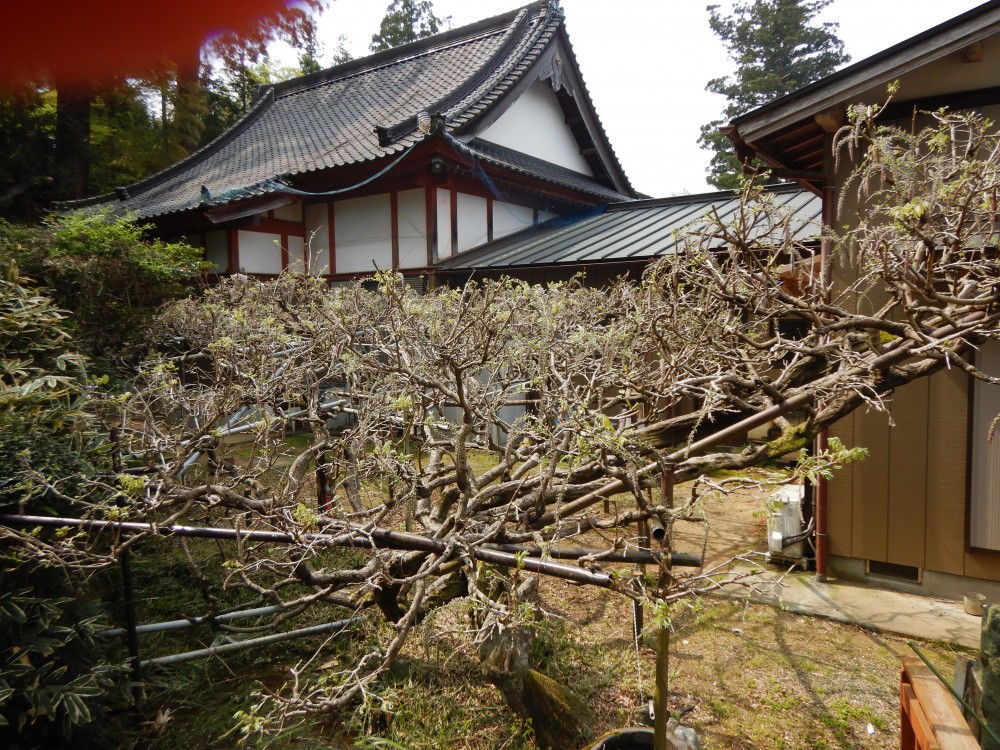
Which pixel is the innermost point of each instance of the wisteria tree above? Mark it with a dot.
(459, 434)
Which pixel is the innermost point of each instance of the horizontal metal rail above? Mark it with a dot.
(351, 537)
(230, 648)
(191, 622)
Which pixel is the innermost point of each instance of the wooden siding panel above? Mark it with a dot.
(978, 565)
(908, 475)
(839, 515)
(946, 471)
(869, 522)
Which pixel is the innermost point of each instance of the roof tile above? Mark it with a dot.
(328, 119)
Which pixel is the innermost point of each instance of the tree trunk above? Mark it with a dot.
(559, 717)
(72, 167)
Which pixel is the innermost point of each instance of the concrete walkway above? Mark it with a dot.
(890, 611)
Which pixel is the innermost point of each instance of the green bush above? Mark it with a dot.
(52, 673)
(107, 273)
(53, 679)
(42, 390)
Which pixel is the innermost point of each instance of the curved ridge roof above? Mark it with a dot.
(329, 119)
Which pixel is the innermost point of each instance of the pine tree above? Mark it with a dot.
(406, 21)
(777, 47)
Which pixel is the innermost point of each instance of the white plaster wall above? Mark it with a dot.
(412, 205)
(260, 252)
(471, 221)
(508, 218)
(535, 125)
(291, 212)
(362, 229)
(217, 250)
(297, 254)
(443, 202)
(318, 237)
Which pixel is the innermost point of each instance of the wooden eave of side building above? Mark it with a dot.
(790, 133)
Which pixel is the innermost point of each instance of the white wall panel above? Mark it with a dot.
(318, 237)
(535, 125)
(471, 221)
(443, 223)
(412, 213)
(362, 229)
(260, 252)
(508, 219)
(296, 254)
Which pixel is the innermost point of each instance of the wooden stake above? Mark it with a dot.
(661, 694)
(661, 689)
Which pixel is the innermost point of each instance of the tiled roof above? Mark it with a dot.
(638, 230)
(329, 119)
(530, 165)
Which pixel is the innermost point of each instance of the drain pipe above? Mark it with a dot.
(821, 496)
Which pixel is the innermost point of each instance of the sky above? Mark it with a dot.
(646, 63)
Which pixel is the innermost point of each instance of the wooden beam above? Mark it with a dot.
(973, 53)
(830, 119)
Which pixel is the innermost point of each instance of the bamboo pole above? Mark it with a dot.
(350, 537)
(661, 688)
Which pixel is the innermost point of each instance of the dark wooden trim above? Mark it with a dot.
(489, 218)
(453, 195)
(331, 238)
(430, 203)
(234, 250)
(284, 251)
(394, 227)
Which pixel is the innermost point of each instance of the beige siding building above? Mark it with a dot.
(923, 511)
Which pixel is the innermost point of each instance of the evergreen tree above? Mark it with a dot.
(777, 47)
(66, 140)
(27, 135)
(406, 21)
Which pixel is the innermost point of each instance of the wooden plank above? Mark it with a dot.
(941, 709)
(907, 737)
(947, 448)
(982, 565)
(915, 728)
(907, 493)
